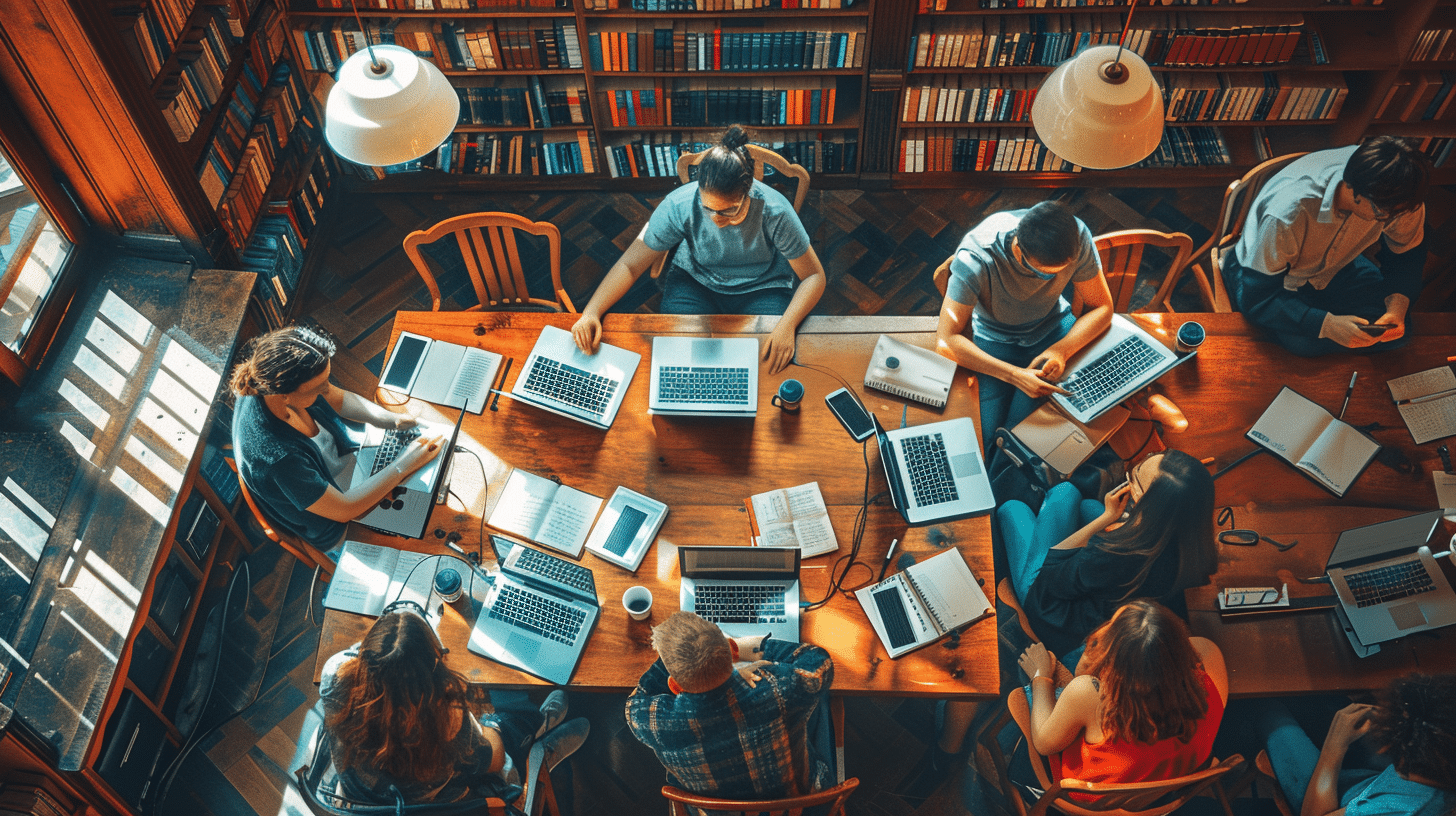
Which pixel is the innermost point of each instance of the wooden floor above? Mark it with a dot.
(878, 249)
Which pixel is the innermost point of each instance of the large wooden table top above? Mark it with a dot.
(704, 469)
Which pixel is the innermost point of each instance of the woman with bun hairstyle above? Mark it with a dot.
(292, 446)
(742, 247)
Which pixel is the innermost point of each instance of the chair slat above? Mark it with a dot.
(493, 262)
(513, 271)
(468, 240)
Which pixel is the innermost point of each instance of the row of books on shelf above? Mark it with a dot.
(1434, 44)
(528, 154)
(480, 45)
(275, 253)
(171, 16)
(446, 5)
(980, 98)
(694, 103)
(247, 191)
(1251, 96)
(198, 86)
(927, 6)
(535, 102)
(1418, 97)
(269, 115)
(655, 154)
(695, 46)
(1438, 148)
(1189, 147)
(1179, 39)
(714, 5)
(980, 150)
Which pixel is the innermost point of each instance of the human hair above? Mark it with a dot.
(727, 168)
(281, 361)
(694, 651)
(1415, 724)
(1389, 171)
(1146, 668)
(1175, 511)
(1049, 234)
(402, 704)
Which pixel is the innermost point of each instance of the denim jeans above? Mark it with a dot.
(1003, 404)
(1293, 754)
(683, 294)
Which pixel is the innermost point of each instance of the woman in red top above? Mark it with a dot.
(1144, 706)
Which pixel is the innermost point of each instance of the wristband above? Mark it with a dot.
(1040, 676)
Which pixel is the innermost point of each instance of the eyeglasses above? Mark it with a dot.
(1246, 538)
(727, 212)
(1379, 213)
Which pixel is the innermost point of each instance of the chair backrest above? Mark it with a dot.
(302, 550)
(834, 797)
(492, 257)
(1238, 199)
(761, 156)
(1122, 258)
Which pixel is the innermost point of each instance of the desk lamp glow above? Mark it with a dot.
(1100, 109)
(388, 106)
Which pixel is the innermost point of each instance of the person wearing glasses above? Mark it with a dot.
(741, 249)
(1297, 268)
(1004, 316)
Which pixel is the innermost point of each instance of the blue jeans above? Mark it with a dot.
(1294, 755)
(683, 294)
(1003, 404)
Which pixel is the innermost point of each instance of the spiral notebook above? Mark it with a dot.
(924, 603)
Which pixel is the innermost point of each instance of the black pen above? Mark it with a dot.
(1445, 454)
(888, 555)
(1350, 389)
(495, 403)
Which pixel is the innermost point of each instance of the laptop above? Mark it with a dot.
(747, 591)
(405, 511)
(538, 613)
(1388, 583)
(1064, 443)
(935, 471)
(1111, 368)
(704, 376)
(563, 379)
(440, 372)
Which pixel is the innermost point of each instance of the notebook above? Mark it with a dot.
(747, 591)
(563, 379)
(1427, 402)
(440, 372)
(1328, 450)
(1108, 370)
(538, 613)
(1388, 583)
(935, 470)
(406, 510)
(704, 376)
(924, 603)
(626, 528)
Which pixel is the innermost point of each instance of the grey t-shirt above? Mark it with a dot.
(735, 259)
(1013, 302)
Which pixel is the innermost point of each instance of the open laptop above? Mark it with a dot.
(1108, 370)
(704, 376)
(565, 380)
(1388, 583)
(935, 470)
(538, 613)
(747, 591)
(440, 372)
(405, 511)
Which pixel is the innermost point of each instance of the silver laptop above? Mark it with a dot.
(440, 372)
(1109, 369)
(1388, 583)
(406, 510)
(565, 380)
(704, 376)
(538, 613)
(935, 470)
(747, 591)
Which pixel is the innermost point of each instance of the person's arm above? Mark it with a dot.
(642, 701)
(637, 259)
(1322, 797)
(1276, 246)
(1096, 317)
(1114, 503)
(337, 505)
(1056, 721)
(778, 352)
(1402, 267)
(1212, 659)
(951, 341)
(349, 405)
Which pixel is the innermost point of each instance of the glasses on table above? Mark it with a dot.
(1241, 537)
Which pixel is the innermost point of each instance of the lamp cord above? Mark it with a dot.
(1117, 62)
(379, 69)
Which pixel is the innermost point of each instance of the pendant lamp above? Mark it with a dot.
(1101, 109)
(388, 106)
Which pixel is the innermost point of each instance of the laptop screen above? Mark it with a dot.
(1376, 541)
(887, 462)
(752, 563)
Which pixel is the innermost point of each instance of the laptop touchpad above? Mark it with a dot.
(1407, 615)
(965, 464)
(522, 647)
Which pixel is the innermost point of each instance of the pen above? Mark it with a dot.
(1348, 391)
(1445, 454)
(888, 555)
(495, 403)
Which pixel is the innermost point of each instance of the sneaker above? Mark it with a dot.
(553, 710)
(561, 742)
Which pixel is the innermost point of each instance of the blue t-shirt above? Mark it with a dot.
(735, 259)
(285, 471)
(1388, 794)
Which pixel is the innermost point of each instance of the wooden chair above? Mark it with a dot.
(679, 800)
(1238, 199)
(300, 549)
(1122, 257)
(487, 242)
(1264, 770)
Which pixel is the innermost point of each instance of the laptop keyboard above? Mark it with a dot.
(750, 603)
(892, 614)
(1109, 372)
(393, 445)
(571, 386)
(555, 569)
(930, 477)
(537, 613)
(625, 530)
(1389, 583)
(703, 384)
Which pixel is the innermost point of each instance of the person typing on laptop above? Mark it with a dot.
(291, 443)
(742, 249)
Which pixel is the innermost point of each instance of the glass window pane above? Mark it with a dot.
(32, 254)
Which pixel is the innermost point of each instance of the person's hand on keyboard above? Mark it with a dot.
(1030, 382)
(403, 422)
(420, 451)
(587, 332)
(750, 673)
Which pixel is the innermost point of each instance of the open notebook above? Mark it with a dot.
(924, 603)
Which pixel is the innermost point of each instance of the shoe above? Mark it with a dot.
(561, 742)
(553, 710)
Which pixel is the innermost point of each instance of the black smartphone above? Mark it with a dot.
(1375, 329)
(851, 414)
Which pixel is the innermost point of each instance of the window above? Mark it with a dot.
(33, 251)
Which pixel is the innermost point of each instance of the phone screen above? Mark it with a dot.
(851, 413)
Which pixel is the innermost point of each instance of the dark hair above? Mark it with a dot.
(1049, 234)
(1415, 724)
(1146, 668)
(281, 361)
(727, 169)
(1175, 511)
(1389, 171)
(400, 701)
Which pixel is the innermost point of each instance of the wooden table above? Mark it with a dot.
(704, 469)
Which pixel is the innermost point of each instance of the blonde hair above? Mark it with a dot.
(694, 651)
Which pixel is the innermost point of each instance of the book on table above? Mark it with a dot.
(1427, 402)
(924, 603)
(546, 512)
(1328, 450)
(370, 577)
(792, 517)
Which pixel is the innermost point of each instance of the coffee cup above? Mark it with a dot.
(637, 601)
(1190, 335)
(791, 393)
(448, 585)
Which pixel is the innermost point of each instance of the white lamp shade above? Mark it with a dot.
(391, 117)
(1089, 120)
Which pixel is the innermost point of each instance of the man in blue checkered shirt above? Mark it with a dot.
(760, 732)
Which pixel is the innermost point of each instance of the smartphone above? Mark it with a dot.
(851, 414)
(1375, 329)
